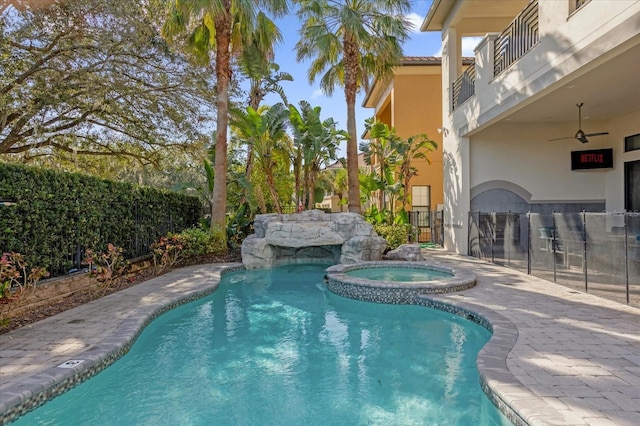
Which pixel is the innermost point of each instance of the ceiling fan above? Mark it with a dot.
(580, 135)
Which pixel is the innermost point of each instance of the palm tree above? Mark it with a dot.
(349, 41)
(263, 131)
(264, 78)
(224, 27)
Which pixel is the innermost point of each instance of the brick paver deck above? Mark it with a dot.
(557, 356)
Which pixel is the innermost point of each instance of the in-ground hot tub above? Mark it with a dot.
(396, 281)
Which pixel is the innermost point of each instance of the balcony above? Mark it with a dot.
(517, 39)
(464, 87)
(520, 36)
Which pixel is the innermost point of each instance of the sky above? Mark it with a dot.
(419, 44)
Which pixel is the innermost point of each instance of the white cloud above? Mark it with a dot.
(317, 93)
(468, 44)
(415, 20)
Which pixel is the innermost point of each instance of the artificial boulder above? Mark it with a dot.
(311, 236)
(409, 252)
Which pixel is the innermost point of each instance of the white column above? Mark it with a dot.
(456, 152)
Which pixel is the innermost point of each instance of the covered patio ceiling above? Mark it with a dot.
(609, 89)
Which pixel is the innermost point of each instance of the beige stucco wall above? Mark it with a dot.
(413, 105)
(418, 109)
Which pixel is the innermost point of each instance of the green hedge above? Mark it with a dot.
(58, 215)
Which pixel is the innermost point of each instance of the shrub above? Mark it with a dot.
(168, 251)
(394, 234)
(106, 265)
(16, 279)
(199, 242)
(175, 249)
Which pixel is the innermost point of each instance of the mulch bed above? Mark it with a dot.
(81, 298)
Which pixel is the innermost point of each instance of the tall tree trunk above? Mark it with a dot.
(223, 74)
(247, 172)
(296, 172)
(350, 87)
(312, 192)
(274, 194)
(262, 204)
(384, 184)
(305, 185)
(254, 102)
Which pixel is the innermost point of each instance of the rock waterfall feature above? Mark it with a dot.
(311, 236)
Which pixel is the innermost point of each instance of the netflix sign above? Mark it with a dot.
(592, 159)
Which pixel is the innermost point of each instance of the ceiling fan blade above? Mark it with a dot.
(560, 139)
(597, 134)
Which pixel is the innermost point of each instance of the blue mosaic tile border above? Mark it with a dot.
(461, 279)
(42, 387)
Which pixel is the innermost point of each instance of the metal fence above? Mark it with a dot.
(427, 227)
(594, 252)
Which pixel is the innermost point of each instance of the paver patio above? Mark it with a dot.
(557, 356)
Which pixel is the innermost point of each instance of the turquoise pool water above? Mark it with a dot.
(274, 347)
(398, 274)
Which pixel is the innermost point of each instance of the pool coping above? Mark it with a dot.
(20, 398)
(519, 404)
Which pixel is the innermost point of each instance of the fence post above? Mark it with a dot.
(493, 234)
(553, 244)
(584, 249)
(506, 242)
(529, 242)
(626, 254)
(469, 252)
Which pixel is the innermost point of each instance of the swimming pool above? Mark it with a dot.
(275, 347)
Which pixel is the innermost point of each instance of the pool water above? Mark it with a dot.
(399, 274)
(274, 347)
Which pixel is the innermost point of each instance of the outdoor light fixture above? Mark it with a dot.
(443, 130)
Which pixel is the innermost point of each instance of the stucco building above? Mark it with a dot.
(503, 116)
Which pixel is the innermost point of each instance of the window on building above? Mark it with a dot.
(632, 185)
(421, 203)
(576, 4)
(631, 143)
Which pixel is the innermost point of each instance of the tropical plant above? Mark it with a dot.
(349, 41)
(105, 266)
(413, 148)
(382, 152)
(16, 281)
(222, 27)
(264, 132)
(264, 77)
(168, 251)
(316, 141)
(239, 226)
